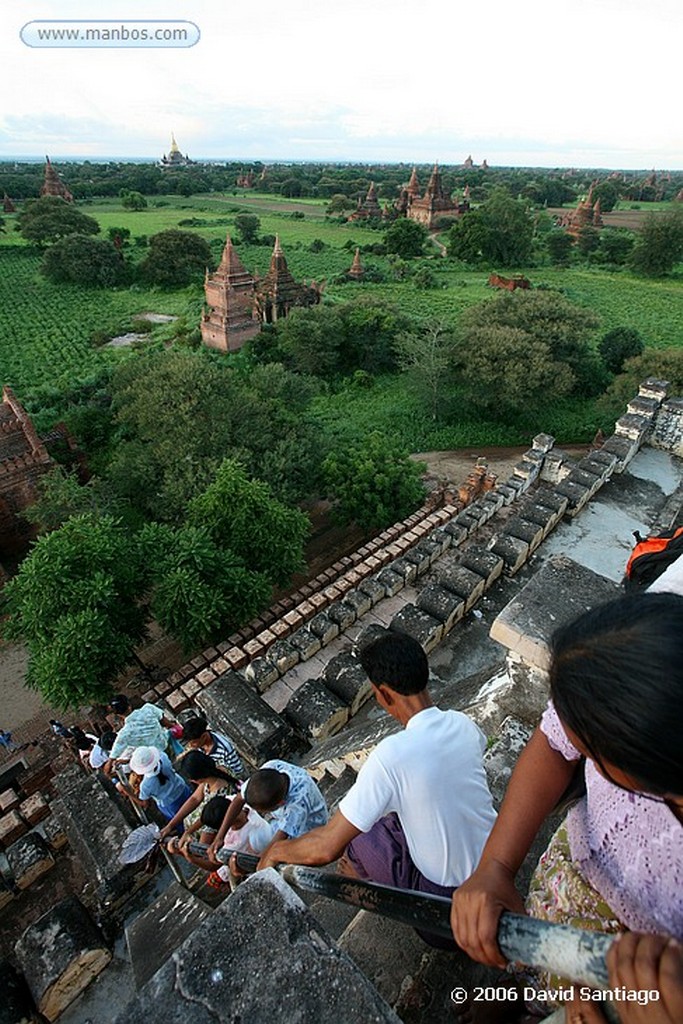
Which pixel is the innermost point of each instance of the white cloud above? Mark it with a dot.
(568, 82)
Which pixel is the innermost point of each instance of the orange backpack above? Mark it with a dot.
(651, 556)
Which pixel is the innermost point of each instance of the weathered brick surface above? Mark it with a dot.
(418, 624)
(441, 604)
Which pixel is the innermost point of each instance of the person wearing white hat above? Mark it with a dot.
(159, 781)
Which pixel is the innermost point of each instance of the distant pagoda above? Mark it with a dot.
(369, 209)
(231, 298)
(7, 205)
(53, 184)
(356, 271)
(175, 159)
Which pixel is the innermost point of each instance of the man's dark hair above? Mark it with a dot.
(397, 661)
(107, 740)
(214, 811)
(266, 789)
(119, 703)
(616, 680)
(193, 728)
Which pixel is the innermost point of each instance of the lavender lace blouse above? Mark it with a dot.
(629, 848)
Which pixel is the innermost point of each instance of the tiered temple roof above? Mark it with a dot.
(53, 184)
(278, 292)
(175, 158)
(435, 203)
(587, 214)
(369, 208)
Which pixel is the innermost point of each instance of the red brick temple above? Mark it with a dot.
(53, 184)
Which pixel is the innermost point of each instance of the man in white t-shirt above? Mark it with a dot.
(420, 811)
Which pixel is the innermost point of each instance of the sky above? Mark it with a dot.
(552, 83)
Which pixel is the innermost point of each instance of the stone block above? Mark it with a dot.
(9, 800)
(668, 432)
(576, 494)
(359, 602)
(654, 388)
(543, 442)
(176, 702)
(315, 711)
(155, 933)
(261, 673)
(543, 516)
(507, 493)
(581, 476)
(604, 459)
(427, 630)
(305, 642)
(554, 468)
(467, 522)
(642, 406)
(441, 604)
(457, 533)
(345, 677)
(526, 470)
(503, 754)
(405, 568)
(60, 954)
(517, 483)
(12, 826)
(192, 687)
(430, 548)
(373, 589)
(236, 658)
(418, 557)
(391, 581)
(342, 615)
(633, 427)
(441, 538)
(367, 634)
(492, 503)
(34, 809)
(512, 550)
(323, 628)
(551, 499)
(82, 808)
(482, 561)
(529, 532)
(284, 656)
(29, 858)
(622, 448)
(232, 707)
(294, 619)
(54, 832)
(559, 592)
(463, 582)
(217, 975)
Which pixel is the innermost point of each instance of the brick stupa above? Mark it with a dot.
(435, 203)
(230, 297)
(53, 184)
(278, 292)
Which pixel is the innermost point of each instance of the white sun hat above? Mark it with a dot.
(145, 760)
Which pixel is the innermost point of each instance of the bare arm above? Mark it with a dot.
(320, 846)
(190, 804)
(537, 783)
(236, 805)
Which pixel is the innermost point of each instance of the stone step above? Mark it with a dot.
(156, 932)
(217, 975)
(333, 789)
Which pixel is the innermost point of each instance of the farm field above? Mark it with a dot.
(45, 329)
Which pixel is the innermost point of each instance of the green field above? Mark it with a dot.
(45, 330)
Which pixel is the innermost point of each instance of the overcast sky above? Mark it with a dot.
(593, 83)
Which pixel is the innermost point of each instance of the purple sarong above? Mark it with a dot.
(381, 855)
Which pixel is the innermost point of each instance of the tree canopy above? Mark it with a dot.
(499, 232)
(50, 218)
(76, 602)
(659, 247)
(405, 238)
(89, 262)
(176, 258)
(373, 483)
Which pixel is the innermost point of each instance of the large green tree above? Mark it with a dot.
(499, 232)
(183, 412)
(373, 483)
(77, 604)
(427, 358)
(405, 238)
(659, 246)
(89, 262)
(243, 517)
(176, 258)
(247, 225)
(618, 345)
(50, 218)
(200, 591)
(659, 363)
